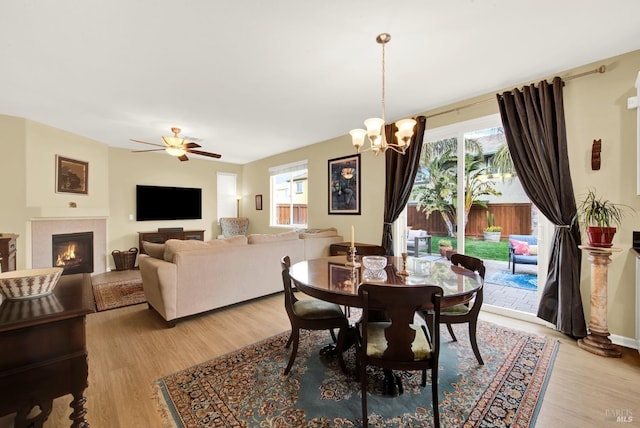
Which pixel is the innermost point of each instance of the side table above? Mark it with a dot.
(44, 352)
(597, 341)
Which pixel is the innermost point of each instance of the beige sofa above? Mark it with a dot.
(183, 278)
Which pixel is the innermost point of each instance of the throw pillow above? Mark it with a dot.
(520, 248)
(153, 249)
(533, 250)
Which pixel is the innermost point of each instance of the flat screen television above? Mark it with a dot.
(168, 203)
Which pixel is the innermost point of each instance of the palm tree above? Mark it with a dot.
(436, 191)
(436, 188)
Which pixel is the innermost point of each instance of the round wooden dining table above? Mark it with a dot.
(332, 280)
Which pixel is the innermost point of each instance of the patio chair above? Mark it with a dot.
(523, 249)
(414, 238)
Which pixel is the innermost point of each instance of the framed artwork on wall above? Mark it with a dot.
(259, 202)
(344, 185)
(72, 176)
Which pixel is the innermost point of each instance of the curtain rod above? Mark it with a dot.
(599, 70)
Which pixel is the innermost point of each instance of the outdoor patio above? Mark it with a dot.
(518, 299)
(510, 297)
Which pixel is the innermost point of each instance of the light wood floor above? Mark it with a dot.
(129, 348)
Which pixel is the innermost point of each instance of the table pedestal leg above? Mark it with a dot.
(597, 341)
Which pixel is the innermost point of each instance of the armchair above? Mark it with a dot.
(523, 249)
(414, 238)
(233, 226)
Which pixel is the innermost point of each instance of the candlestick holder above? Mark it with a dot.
(404, 265)
(351, 257)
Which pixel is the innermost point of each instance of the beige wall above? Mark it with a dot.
(595, 107)
(126, 169)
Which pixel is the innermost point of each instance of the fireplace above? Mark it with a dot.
(73, 252)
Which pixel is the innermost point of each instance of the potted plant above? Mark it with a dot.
(445, 245)
(492, 232)
(600, 216)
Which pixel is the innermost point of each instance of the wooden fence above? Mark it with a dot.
(514, 218)
(283, 213)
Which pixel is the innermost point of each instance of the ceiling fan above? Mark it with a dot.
(177, 147)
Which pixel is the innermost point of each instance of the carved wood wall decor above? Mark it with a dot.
(595, 154)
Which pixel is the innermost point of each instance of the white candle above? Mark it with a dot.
(353, 234)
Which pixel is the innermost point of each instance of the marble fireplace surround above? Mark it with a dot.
(42, 231)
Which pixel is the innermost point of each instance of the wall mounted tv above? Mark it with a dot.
(168, 203)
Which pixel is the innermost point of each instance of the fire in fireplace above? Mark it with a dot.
(73, 252)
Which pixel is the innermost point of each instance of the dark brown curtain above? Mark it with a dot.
(534, 126)
(400, 173)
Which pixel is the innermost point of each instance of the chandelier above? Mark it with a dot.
(375, 126)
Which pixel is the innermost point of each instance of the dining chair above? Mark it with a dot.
(467, 312)
(311, 314)
(398, 343)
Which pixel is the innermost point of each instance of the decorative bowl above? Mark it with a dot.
(28, 283)
(374, 263)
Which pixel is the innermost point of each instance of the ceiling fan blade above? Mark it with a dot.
(191, 145)
(150, 150)
(144, 142)
(183, 158)
(201, 153)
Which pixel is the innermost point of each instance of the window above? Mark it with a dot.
(289, 188)
(227, 192)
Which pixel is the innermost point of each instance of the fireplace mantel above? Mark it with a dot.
(64, 213)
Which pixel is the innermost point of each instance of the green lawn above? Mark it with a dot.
(477, 248)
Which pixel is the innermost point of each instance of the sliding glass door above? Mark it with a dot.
(467, 195)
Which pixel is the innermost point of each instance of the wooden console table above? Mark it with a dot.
(597, 341)
(44, 352)
(159, 237)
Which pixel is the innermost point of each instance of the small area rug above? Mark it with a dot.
(117, 288)
(518, 280)
(247, 388)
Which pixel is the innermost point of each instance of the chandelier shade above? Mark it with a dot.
(375, 126)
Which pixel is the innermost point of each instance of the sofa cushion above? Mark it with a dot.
(153, 249)
(231, 240)
(533, 250)
(172, 246)
(261, 238)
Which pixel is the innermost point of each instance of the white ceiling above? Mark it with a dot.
(253, 78)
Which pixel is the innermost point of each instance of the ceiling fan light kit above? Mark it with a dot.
(178, 147)
(375, 126)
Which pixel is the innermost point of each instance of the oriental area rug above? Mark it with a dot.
(117, 288)
(247, 388)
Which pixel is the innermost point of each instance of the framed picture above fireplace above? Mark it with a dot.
(72, 176)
